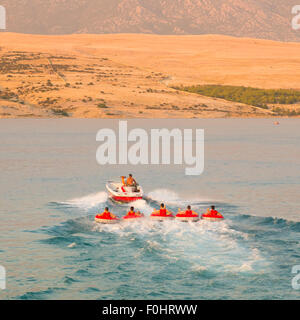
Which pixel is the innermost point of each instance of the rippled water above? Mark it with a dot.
(51, 188)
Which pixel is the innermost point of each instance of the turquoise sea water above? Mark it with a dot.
(51, 188)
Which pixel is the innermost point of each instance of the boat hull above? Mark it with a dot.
(123, 194)
(124, 199)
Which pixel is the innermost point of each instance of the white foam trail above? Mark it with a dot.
(171, 197)
(246, 266)
(164, 195)
(89, 201)
(202, 243)
(199, 268)
(143, 207)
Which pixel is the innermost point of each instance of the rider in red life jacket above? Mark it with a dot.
(213, 212)
(106, 214)
(163, 211)
(132, 213)
(188, 212)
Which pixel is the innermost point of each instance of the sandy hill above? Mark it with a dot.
(127, 75)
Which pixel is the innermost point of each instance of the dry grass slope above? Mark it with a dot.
(121, 75)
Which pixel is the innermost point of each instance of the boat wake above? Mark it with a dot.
(240, 247)
(171, 198)
(87, 202)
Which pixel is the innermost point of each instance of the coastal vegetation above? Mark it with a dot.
(285, 112)
(261, 98)
(60, 112)
(102, 105)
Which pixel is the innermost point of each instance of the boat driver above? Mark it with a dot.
(130, 182)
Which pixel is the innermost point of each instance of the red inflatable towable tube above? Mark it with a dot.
(106, 219)
(160, 217)
(187, 216)
(133, 217)
(212, 217)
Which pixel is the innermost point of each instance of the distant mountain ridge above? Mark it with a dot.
(268, 19)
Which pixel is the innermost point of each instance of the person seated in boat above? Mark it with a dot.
(132, 213)
(187, 212)
(213, 212)
(106, 214)
(163, 211)
(130, 182)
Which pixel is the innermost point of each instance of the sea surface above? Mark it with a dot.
(51, 187)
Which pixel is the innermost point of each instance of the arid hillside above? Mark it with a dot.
(119, 76)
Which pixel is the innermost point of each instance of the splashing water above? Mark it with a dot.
(89, 201)
(163, 195)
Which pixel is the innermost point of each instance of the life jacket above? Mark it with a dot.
(129, 181)
(188, 212)
(105, 215)
(213, 212)
(163, 212)
(131, 214)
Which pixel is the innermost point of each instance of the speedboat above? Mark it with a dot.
(119, 192)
